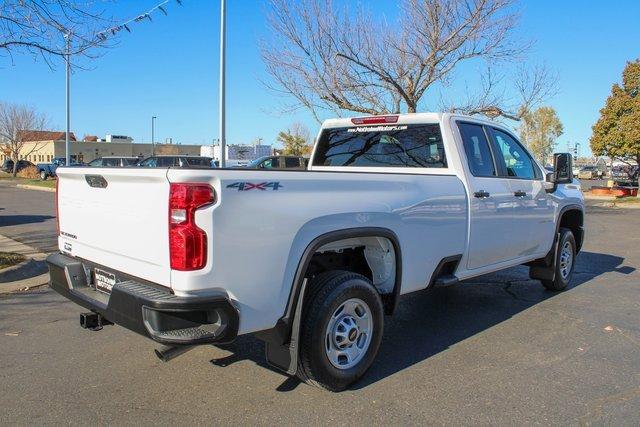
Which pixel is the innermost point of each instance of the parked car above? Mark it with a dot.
(279, 162)
(114, 161)
(47, 170)
(177, 162)
(311, 261)
(625, 175)
(7, 166)
(589, 172)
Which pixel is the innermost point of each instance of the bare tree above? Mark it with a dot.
(330, 59)
(42, 27)
(39, 27)
(531, 86)
(15, 122)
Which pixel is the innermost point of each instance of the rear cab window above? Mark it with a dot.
(404, 146)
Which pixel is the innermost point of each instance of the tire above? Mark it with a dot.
(341, 330)
(43, 175)
(564, 263)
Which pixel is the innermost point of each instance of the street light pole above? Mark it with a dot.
(223, 139)
(153, 139)
(67, 154)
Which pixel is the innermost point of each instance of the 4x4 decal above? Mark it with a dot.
(246, 186)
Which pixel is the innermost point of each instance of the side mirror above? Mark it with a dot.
(562, 168)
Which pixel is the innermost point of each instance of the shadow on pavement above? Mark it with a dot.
(23, 219)
(429, 322)
(27, 270)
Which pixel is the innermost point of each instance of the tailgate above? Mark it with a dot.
(117, 218)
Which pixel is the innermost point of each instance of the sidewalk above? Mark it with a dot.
(28, 274)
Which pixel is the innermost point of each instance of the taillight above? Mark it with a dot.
(187, 242)
(57, 206)
(374, 120)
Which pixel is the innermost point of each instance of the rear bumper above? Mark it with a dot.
(146, 309)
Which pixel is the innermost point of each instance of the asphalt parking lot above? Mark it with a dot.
(496, 350)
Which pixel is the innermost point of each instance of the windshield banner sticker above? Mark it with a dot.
(376, 128)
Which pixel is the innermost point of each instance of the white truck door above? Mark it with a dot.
(492, 227)
(534, 210)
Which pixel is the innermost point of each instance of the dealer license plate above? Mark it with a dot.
(104, 280)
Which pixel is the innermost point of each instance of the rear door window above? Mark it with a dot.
(476, 147)
(111, 162)
(202, 162)
(291, 162)
(165, 162)
(151, 162)
(410, 146)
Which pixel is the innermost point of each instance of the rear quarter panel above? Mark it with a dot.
(257, 237)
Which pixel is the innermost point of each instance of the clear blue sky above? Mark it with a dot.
(169, 68)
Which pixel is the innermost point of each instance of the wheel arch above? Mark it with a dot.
(390, 300)
(572, 217)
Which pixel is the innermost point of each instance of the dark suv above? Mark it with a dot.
(279, 162)
(177, 162)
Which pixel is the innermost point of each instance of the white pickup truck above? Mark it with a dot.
(311, 261)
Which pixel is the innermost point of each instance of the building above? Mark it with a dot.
(44, 146)
(237, 153)
(122, 139)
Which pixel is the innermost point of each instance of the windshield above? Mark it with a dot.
(417, 146)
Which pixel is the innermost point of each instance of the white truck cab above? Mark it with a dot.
(311, 261)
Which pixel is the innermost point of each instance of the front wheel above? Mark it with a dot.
(564, 262)
(342, 325)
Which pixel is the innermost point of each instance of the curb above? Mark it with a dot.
(10, 245)
(24, 285)
(612, 202)
(621, 205)
(35, 187)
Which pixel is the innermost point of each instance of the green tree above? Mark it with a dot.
(617, 132)
(295, 140)
(539, 130)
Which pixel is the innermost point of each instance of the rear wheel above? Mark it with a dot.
(564, 262)
(341, 330)
(43, 175)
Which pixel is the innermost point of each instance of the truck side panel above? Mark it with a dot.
(261, 226)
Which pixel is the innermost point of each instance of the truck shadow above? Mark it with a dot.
(429, 322)
(8, 220)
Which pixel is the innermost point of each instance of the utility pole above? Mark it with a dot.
(153, 135)
(67, 154)
(223, 139)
